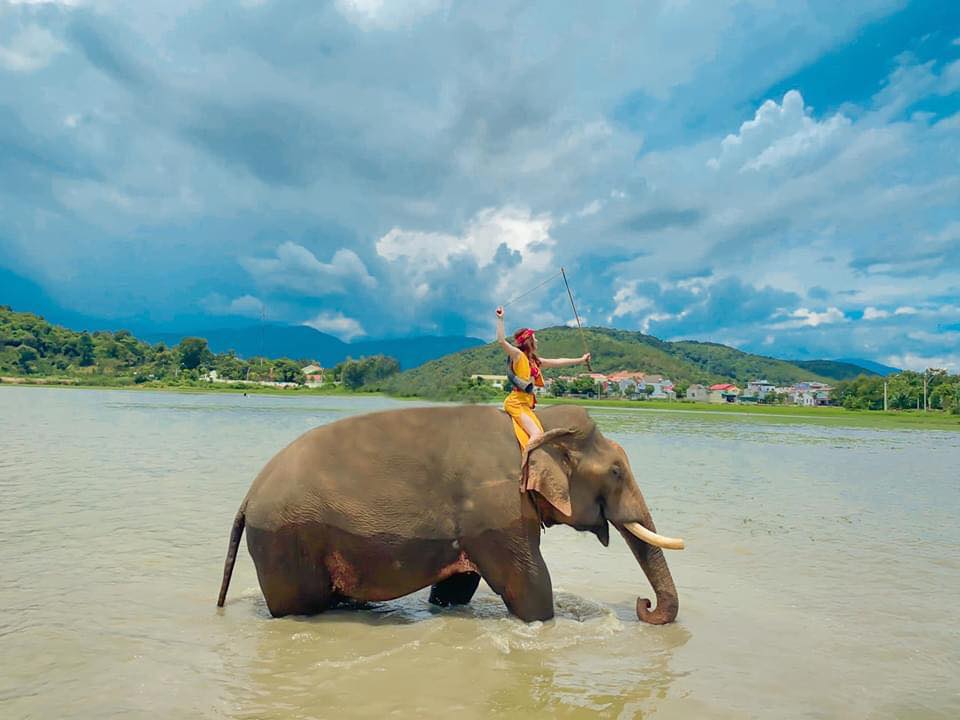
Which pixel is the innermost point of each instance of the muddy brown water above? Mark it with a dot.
(821, 578)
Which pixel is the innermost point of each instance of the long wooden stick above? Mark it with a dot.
(527, 292)
(577, 316)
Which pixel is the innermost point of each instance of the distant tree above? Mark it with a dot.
(584, 386)
(193, 353)
(26, 356)
(229, 366)
(285, 370)
(86, 350)
(351, 375)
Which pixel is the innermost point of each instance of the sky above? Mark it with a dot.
(783, 177)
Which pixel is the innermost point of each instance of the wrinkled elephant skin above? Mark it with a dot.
(377, 506)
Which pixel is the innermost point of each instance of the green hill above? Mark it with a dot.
(834, 369)
(34, 349)
(683, 362)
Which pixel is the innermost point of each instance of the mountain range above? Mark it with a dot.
(612, 350)
(300, 341)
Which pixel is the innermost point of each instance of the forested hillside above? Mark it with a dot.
(612, 350)
(32, 347)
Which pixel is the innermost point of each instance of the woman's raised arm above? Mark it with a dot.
(564, 362)
(509, 349)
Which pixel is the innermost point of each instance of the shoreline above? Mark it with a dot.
(894, 420)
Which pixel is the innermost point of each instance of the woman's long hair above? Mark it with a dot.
(527, 347)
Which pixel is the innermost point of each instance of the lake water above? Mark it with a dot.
(821, 578)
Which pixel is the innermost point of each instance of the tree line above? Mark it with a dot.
(904, 391)
(31, 346)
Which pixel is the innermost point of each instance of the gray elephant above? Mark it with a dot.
(377, 506)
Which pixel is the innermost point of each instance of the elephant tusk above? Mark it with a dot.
(648, 536)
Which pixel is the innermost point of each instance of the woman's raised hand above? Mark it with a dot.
(585, 359)
(500, 311)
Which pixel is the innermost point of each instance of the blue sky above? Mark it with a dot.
(782, 177)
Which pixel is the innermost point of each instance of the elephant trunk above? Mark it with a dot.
(636, 526)
(655, 568)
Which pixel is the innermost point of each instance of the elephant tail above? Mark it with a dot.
(238, 523)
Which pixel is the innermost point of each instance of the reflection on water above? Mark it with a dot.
(819, 580)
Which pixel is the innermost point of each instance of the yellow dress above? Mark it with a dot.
(519, 403)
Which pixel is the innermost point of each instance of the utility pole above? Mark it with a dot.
(884, 395)
(926, 406)
(263, 317)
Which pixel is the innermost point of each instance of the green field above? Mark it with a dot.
(905, 419)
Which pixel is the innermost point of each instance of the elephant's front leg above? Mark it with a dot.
(455, 590)
(514, 568)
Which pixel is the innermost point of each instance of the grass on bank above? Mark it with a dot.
(932, 419)
(902, 419)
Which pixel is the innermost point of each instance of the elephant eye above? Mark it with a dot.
(616, 471)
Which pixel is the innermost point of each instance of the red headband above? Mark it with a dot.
(521, 336)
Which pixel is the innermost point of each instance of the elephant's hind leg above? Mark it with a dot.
(455, 590)
(293, 575)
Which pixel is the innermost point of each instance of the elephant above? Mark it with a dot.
(376, 506)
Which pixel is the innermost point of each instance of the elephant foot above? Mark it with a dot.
(455, 590)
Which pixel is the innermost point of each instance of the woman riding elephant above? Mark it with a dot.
(365, 509)
(524, 370)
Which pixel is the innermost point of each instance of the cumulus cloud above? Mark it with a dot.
(431, 190)
(919, 363)
(872, 313)
(244, 306)
(778, 134)
(699, 306)
(336, 323)
(515, 228)
(32, 48)
(804, 317)
(296, 269)
(387, 14)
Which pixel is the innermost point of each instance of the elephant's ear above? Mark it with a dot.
(547, 465)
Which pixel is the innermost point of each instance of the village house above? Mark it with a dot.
(760, 389)
(660, 388)
(497, 381)
(600, 381)
(809, 394)
(697, 393)
(723, 393)
(625, 382)
(313, 375)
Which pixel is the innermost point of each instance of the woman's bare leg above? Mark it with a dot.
(531, 427)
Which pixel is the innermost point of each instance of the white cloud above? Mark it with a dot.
(65, 3)
(919, 363)
(657, 317)
(804, 317)
(31, 49)
(872, 313)
(517, 228)
(778, 134)
(337, 324)
(296, 269)
(906, 310)
(387, 14)
(628, 302)
(590, 209)
(245, 305)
